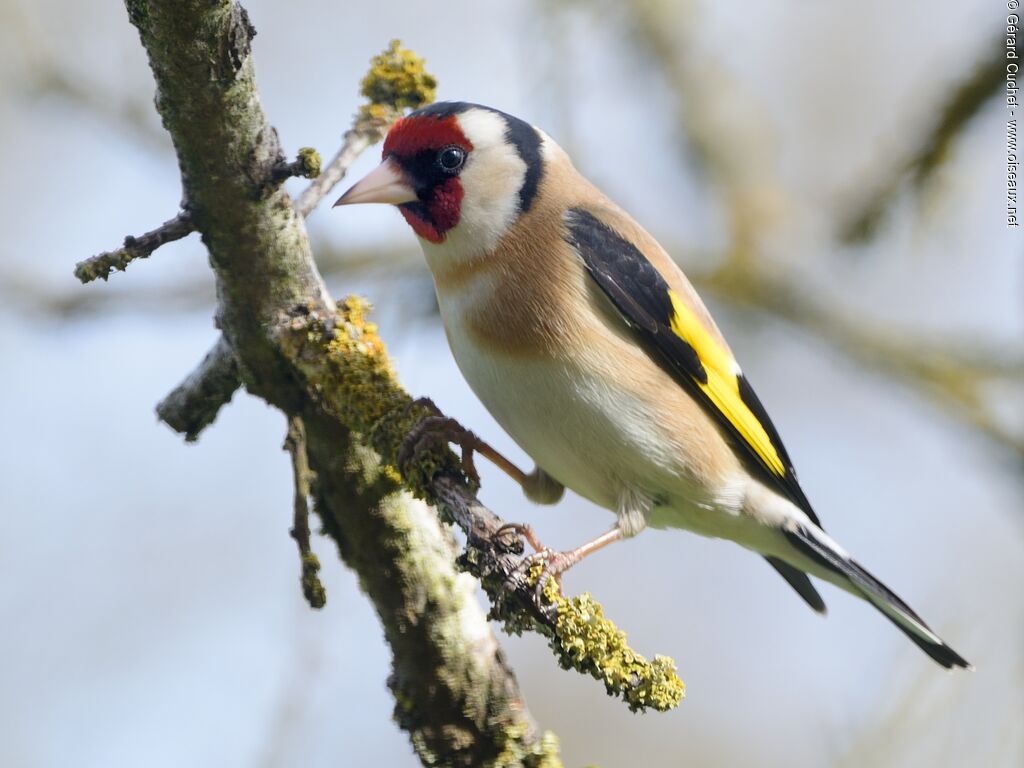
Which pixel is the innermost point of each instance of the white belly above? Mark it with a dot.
(592, 438)
(603, 442)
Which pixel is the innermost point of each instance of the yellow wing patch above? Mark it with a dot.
(722, 386)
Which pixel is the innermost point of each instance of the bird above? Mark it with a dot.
(589, 346)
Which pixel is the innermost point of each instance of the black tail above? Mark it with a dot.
(798, 580)
(879, 595)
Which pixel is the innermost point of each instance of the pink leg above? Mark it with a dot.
(438, 427)
(524, 530)
(563, 561)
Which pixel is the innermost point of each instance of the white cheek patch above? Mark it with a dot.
(491, 181)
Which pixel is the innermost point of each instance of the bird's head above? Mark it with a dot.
(461, 174)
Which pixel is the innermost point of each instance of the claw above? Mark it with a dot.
(434, 430)
(555, 564)
(422, 402)
(523, 530)
(540, 554)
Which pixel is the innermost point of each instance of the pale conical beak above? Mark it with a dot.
(384, 184)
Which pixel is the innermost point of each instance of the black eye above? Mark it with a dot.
(451, 158)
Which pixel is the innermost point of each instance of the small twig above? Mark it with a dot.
(356, 141)
(305, 165)
(295, 444)
(134, 248)
(397, 81)
(195, 402)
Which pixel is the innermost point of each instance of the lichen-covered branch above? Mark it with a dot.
(577, 630)
(134, 248)
(346, 369)
(306, 165)
(355, 142)
(194, 403)
(454, 693)
(295, 443)
(397, 81)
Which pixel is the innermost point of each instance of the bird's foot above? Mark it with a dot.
(522, 530)
(553, 565)
(556, 563)
(552, 562)
(437, 430)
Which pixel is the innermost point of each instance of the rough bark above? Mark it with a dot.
(193, 405)
(464, 708)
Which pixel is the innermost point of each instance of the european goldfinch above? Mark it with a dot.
(589, 346)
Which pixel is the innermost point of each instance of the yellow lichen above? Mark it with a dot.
(588, 642)
(542, 753)
(347, 365)
(312, 588)
(310, 162)
(397, 81)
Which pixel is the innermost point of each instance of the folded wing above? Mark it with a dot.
(676, 337)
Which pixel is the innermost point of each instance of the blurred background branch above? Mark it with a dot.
(980, 85)
(45, 74)
(960, 378)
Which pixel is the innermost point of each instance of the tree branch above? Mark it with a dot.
(454, 693)
(396, 81)
(356, 141)
(134, 248)
(295, 443)
(346, 369)
(195, 402)
(305, 165)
